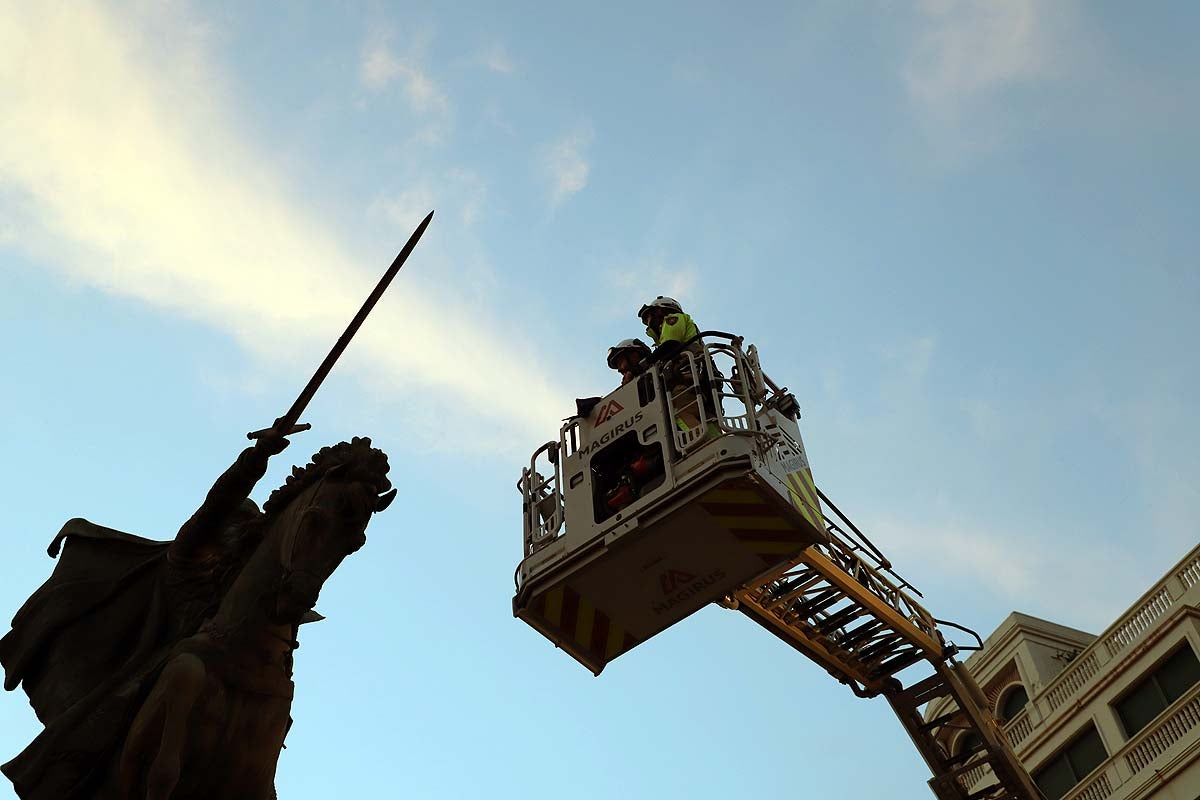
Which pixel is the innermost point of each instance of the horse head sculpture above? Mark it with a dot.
(310, 524)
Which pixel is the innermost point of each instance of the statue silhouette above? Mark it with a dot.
(163, 669)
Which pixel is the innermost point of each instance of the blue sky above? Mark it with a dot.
(963, 233)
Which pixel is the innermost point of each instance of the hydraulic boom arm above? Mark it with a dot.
(840, 605)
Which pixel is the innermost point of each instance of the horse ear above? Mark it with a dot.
(384, 501)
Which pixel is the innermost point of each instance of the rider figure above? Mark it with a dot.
(218, 537)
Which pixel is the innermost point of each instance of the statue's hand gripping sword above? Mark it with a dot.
(286, 424)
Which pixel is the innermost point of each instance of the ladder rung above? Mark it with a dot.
(964, 757)
(864, 631)
(925, 690)
(792, 585)
(880, 648)
(794, 594)
(838, 620)
(938, 722)
(819, 603)
(899, 662)
(823, 594)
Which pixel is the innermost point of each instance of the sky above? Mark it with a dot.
(963, 233)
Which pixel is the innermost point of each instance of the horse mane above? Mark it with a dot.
(361, 462)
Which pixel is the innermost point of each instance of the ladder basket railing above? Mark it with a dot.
(721, 385)
(542, 500)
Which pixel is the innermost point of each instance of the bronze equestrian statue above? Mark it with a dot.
(163, 669)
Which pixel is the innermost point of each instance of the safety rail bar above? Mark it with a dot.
(859, 543)
(692, 395)
(686, 439)
(543, 507)
(876, 581)
(747, 385)
(744, 374)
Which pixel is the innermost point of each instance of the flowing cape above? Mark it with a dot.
(86, 646)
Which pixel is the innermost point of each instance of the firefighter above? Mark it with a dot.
(628, 357)
(672, 332)
(669, 327)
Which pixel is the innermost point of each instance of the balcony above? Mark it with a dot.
(1157, 744)
(1018, 728)
(1116, 641)
(1120, 636)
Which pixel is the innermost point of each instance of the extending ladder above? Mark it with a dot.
(840, 604)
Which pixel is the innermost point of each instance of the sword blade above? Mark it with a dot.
(287, 422)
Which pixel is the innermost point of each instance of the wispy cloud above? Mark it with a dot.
(565, 166)
(631, 285)
(495, 57)
(1156, 426)
(968, 53)
(461, 190)
(909, 361)
(1022, 568)
(383, 65)
(115, 184)
(399, 209)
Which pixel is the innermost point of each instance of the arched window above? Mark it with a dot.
(1012, 703)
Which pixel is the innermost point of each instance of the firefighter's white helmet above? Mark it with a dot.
(665, 303)
(636, 346)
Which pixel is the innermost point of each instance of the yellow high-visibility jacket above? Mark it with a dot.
(677, 327)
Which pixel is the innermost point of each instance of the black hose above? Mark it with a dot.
(883, 560)
(964, 629)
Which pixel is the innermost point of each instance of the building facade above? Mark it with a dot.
(1097, 717)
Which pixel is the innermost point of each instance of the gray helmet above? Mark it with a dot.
(637, 346)
(665, 303)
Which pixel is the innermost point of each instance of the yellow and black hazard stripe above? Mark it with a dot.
(803, 492)
(581, 624)
(758, 525)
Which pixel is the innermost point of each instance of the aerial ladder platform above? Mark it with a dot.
(635, 519)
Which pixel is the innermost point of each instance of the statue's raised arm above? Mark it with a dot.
(199, 533)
